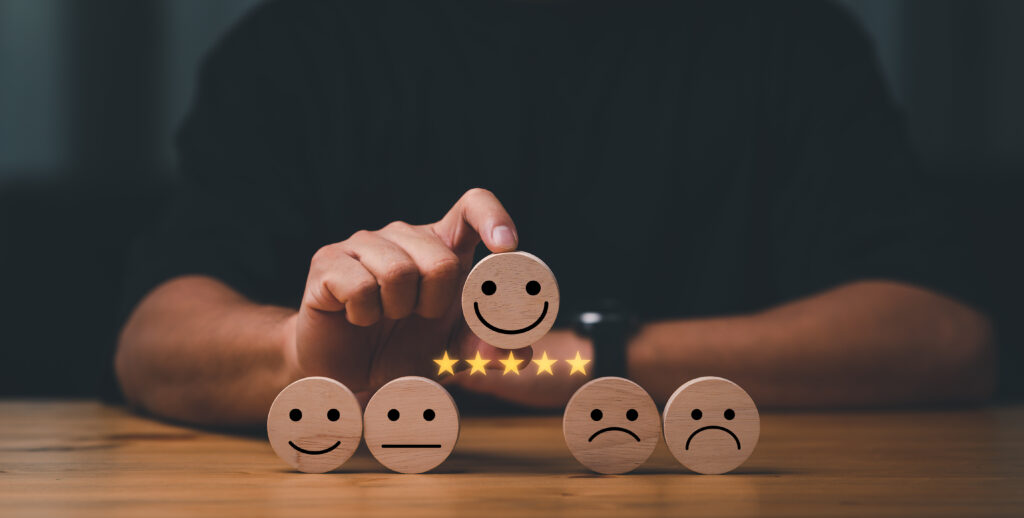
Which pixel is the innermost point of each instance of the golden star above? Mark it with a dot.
(577, 364)
(511, 364)
(544, 363)
(477, 365)
(445, 364)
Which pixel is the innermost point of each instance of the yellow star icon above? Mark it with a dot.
(544, 363)
(477, 365)
(577, 364)
(511, 364)
(445, 364)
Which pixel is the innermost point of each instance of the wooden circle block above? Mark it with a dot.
(510, 300)
(315, 424)
(611, 425)
(412, 424)
(711, 425)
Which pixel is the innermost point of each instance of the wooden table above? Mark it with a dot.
(87, 459)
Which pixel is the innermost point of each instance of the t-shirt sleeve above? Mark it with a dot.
(853, 203)
(238, 213)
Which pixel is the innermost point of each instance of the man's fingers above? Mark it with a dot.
(395, 271)
(339, 282)
(466, 344)
(439, 269)
(497, 354)
(478, 215)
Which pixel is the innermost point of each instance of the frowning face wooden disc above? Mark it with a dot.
(711, 425)
(315, 424)
(412, 424)
(611, 425)
(510, 300)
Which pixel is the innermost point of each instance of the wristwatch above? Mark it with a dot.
(609, 326)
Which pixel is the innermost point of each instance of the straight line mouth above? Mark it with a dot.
(410, 445)
(544, 313)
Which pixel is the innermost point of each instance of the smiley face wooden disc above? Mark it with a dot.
(611, 425)
(510, 300)
(315, 424)
(412, 424)
(711, 425)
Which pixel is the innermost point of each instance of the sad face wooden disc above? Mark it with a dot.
(711, 425)
(611, 425)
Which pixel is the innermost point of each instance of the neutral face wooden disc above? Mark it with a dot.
(315, 424)
(510, 300)
(711, 425)
(412, 424)
(611, 425)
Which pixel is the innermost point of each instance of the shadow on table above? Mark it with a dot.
(481, 462)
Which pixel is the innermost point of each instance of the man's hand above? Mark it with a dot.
(383, 303)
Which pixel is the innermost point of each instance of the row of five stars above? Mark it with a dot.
(446, 364)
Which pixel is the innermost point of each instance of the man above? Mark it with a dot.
(733, 174)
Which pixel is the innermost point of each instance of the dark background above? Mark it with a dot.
(92, 91)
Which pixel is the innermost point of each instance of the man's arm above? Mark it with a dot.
(875, 343)
(867, 343)
(195, 350)
(376, 306)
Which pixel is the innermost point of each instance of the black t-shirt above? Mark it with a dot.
(686, 159)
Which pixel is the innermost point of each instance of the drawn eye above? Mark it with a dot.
(730, 414)
(333, 414)
(632, 414)
(696, 414)
(596, 414)
(533, 287)
(428, 414)
(295, 414)
(488, 287)
(393, 414)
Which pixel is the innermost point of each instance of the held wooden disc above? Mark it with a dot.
(412, 424)
(611, 425)
(510, 300)
(711, 425)
(315, 424)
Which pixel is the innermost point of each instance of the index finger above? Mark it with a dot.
(478, 215)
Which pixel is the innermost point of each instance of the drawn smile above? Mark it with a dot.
(544, 313)
(615, 429)
(410, 445)
(722, 428)
(314, 452)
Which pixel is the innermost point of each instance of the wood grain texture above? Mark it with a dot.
(92, 460)
(315, 424)
(611, 425)
(510, 300)
(412, 424)
(711, 425)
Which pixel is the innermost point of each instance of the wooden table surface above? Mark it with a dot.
(88, 459)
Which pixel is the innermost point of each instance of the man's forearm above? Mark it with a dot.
(863, 343)
(197, 351)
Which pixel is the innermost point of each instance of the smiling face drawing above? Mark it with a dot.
(412, 424)
(711, 425)
(510, 300)
(315, 424)
(611, 425)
